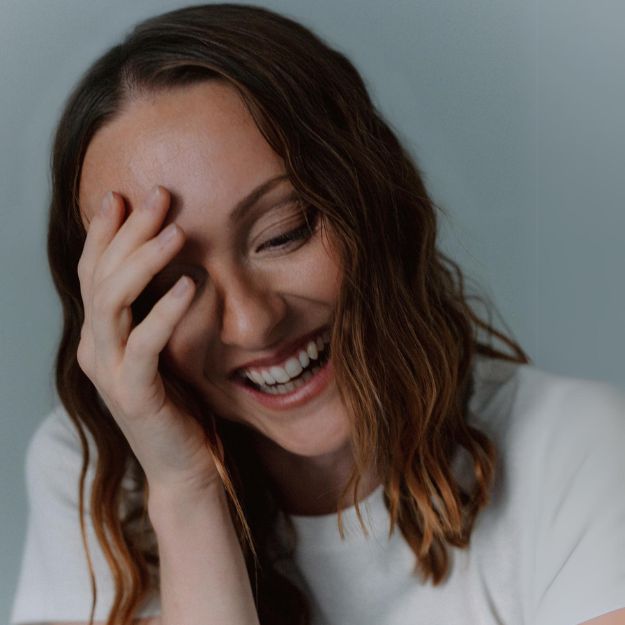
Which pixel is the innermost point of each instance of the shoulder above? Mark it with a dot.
(56, 432)
(556, 436)
(571, 420)
(561, 476)
(581, 403)
(54, 583)
(525, 405)
(54, 458)
(572, 434)
(54, 462)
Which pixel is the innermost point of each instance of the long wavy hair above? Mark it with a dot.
(402, 320)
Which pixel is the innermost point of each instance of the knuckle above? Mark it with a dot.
(156, 252)
(81, 270)
(104, 298)
(83, 356)
(138, 344)
(104, 379)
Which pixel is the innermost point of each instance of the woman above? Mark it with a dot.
(259, 336)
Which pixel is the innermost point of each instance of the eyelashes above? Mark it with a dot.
(302, 233)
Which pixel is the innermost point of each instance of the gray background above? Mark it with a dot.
(513, 110)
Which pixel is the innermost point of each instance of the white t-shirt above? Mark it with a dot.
(548, 550)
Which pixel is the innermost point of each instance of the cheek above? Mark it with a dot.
(313, 273)
(329, 269)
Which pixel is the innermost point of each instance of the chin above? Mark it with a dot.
(323, 440)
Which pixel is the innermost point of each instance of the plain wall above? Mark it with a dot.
(512, 110)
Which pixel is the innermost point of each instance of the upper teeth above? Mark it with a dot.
(291, 367)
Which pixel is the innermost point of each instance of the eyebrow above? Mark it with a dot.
(243, 205)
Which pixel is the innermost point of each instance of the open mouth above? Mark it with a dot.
(306, 374)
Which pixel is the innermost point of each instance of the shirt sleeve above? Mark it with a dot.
(580, 556)
(54, 582)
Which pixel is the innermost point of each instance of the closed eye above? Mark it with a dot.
(301, 233)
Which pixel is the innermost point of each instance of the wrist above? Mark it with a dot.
(173, 504)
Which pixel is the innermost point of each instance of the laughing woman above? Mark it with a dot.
(275, 407)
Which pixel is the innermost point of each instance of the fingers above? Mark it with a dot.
(150, 337)
(115, 267)
(142, 224)
(107, 245)
(115, 294)
(102, 229)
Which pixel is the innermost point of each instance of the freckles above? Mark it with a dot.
(325, 276)
(329, 263)
(317, 273)
(325, 280)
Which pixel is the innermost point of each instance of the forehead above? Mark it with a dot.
(198, 141)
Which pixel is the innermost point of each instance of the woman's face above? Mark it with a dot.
(255, 295)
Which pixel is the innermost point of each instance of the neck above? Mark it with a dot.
(311, 486)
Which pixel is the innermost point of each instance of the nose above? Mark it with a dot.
(251, 311)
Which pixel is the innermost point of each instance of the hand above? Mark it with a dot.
(116, 265)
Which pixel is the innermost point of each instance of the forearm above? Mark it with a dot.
(203, 575)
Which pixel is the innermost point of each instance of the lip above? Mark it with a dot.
(298, 397)
(280, 355)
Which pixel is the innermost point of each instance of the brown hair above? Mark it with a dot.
(402, 320)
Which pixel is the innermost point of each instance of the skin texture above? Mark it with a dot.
(200, 144)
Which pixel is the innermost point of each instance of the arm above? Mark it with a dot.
(204, 579)
(611, 618)
(203, 576)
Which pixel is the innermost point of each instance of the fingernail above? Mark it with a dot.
(155, 196)
(107, 203)
(167, 234)
(181, 287)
